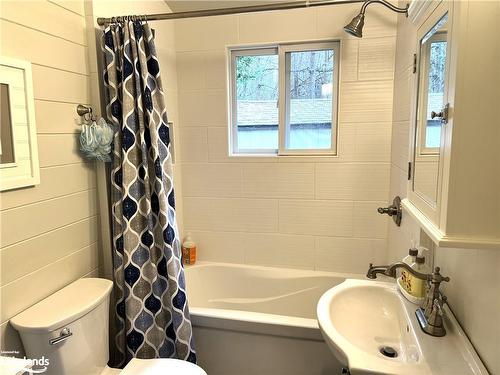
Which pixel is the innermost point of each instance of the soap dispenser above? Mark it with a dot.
(416, 286)
(404, 277)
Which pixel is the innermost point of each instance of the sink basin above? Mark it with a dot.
(372, 329)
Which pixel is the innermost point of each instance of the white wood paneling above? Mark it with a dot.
(59, 149)
(24, 222)
(26, 291)
(40, 15)
(76, 177)
(60, 86)
(54, 117)
(39, 48)
(27, 256)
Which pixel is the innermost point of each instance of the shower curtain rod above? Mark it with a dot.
(225, 11)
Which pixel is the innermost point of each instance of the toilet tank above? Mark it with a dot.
(68, 331)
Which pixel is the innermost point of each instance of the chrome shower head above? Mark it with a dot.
(355, 27)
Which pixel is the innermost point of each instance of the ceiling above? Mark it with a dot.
(188, 5)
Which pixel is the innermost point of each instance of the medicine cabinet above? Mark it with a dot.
(454, 161)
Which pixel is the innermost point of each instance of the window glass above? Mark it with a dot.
(310, 86)
(257, 102)
(437, 61)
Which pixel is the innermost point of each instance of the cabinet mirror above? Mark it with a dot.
(431, 109)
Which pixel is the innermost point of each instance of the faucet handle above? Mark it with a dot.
(437, 278)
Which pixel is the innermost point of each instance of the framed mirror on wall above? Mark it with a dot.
(431, 109)
(19, 165)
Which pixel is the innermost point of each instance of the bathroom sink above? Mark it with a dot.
(372, 329)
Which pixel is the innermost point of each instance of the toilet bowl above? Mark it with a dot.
(67, 333)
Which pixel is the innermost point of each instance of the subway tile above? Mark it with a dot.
(349, 60)
(212, 180)
(376, 58)
(349, 255)
(289, 25)
(367, 222)
(231, 214)
(400, 144)
(203, 108)
(373, 142)
(367, 101)
(352, 181)
(205, 33)
(278, 180)
(167, 58)
(322, 218)
(279, 250)
(190, 70)
(227, 247)
(193, 144)
(404, 83)
(215, 69)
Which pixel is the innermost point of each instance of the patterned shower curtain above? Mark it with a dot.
(151, 309)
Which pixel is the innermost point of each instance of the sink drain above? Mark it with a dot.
(388, 351)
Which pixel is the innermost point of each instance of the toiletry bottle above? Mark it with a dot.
(188, 251)
(416, 286)
(409, 260)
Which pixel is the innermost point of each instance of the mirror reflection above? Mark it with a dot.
(431, 110)
(6, 141)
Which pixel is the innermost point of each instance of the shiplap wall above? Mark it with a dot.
(49, 233)
(307, 212)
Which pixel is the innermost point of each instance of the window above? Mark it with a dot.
(284, 99)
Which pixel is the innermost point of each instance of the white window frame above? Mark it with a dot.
(282, 50)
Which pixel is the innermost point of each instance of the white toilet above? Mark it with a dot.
(68, 332)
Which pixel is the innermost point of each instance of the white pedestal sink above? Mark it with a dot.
(361, 320)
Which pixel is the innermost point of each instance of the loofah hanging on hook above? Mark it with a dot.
(96, 139)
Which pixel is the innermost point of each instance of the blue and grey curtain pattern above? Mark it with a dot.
(152, 315)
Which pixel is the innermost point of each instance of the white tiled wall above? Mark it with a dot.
(473, 291)
(305, 212)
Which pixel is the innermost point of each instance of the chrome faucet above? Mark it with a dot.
(430, 314)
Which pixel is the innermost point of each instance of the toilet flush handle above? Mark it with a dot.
(63, 335)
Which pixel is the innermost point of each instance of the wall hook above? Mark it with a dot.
(394, 210)
(85, 112)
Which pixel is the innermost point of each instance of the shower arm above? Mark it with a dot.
(385, 3)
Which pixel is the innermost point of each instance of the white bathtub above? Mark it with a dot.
(259, 320)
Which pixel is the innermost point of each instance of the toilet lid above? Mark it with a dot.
(161, 366)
